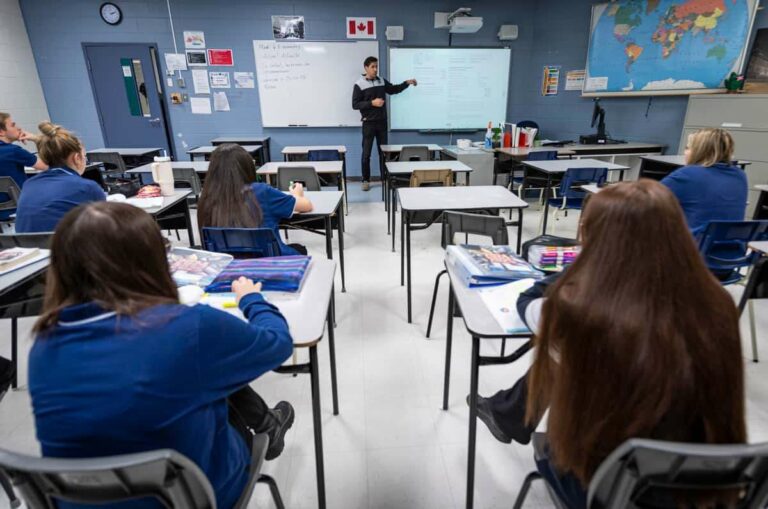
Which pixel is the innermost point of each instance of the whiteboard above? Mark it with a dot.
(309, 84)
(458, 88)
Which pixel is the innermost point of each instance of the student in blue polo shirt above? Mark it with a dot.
(49, 195)
(709, 187)
(14, 158)
(232, 198)
(119, 366)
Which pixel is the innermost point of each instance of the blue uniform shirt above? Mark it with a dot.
(13, 159)
(275, 205)
(714, 193)
(103, 385)
(49, 195)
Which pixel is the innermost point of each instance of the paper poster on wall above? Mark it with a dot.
(550, 80)
(244, 80)
(288, 27)
(220, 101)
(219, 79)
(175, 62)
(200, 81)
(194, 40)
(200, 105)
(574, 80)
(361, 28)
(196, 57)
(220, 57)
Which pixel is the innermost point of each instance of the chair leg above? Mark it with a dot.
(6, 484)
(434, 299)
(15, 352)
(269, 481)
(524, 489)
(178, 237)
(752, 329)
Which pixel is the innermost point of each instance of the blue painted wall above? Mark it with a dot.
(551, 33)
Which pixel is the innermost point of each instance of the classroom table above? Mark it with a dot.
(88, 167)
(657, 167)
(269, 170)
(761, 210)
(481, 160)
(206, 150)
(521, 153)
(247, 140)
(324, 205)
(175, 205)
(131, 156)
(309, 316)
(404, 170)
(440, 199)
(480, 324)
(199, 167)
(559, 167)
(592, 188)
(392, 153)
(296, 152)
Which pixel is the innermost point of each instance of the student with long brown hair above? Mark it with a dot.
(231, 197)
(119, 366)
(635, 340)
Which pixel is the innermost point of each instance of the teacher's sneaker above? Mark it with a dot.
(366, 185)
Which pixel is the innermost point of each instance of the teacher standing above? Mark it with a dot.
(368, 97)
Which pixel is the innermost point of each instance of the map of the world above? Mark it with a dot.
(666, 46)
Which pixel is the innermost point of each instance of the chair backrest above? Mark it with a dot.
(323, 155)
(570, 186)
(164, 475)
(723, 244)
(542, 155)
(39, 240)
(421, 178)
(241, 242)
(94, 173)
(189, 177)
(305, 174)
(10, 188)
(112, 161)
(474, 224)
(528, 124)
(644, 473)
(415, 153)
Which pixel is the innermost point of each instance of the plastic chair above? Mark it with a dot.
(427, 178)
(651, 474)
(164, 474)
(305, 174)
(325, 155)
(113, 162)
(474, 224)
(9, 188)
(534, 155)
(241, 242)
(757, 288)
(505, 167)
(415, 153)
(571, 194)
(189, 177)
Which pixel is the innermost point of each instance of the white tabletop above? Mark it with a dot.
(324, 203)
(19, 276)
(679, 160)
(561, 165)
(126, 152)
(32, 171)
(240, 139)
(459, 198)
(319, 166)
(761, 246)
(762, 187)
(169, 201)
(398, 148)
(454, 150)
(607, 148)
(198, 166)
(408, 167)
(299, 149)
(523, 152)
(592, 188)
(207, 149)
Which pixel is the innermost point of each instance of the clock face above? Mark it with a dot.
(111, 13)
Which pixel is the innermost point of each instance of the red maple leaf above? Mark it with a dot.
(361, 26)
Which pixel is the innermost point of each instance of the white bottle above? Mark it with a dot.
(162, 174)
(489, 137)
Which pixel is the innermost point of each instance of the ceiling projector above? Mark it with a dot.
(459, 21)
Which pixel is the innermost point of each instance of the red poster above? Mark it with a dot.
(220, 57)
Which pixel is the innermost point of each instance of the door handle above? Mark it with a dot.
(154, 120)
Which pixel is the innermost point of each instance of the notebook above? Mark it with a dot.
(279, 273)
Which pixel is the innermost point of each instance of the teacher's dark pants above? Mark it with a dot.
(373, 129)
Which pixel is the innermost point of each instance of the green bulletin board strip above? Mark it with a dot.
(130, 86)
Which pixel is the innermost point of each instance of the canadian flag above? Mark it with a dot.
(361, 28)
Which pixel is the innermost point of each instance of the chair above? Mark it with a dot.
(325, 155)
(306, 174)
(530, 124)
(190, 179)
(524, 183)
(113, 162)
(505, 167)
(571, 194)
(164, 474)
(9, 188)
(415, 153)
(241, 242)
(653, 474)
(431, 178)
(475, 224)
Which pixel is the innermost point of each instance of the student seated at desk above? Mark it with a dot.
(710, 187)
(14, 158)
(231, 197)
(635, 340)
(119, 366)
(49, 195)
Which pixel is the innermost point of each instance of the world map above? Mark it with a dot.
(666, 46)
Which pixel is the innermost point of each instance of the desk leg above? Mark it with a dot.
(344, 182)
(402, 247)
(285, 158)
(546, 204)
(408, 261)
(188, 219)
(340, 228)
(519, 229)
(332, 355)
(448, 343)
(318, 426)
(15, 352)
(394, 224)
(388, 208)
(621, 175)
(473, 382)
(328, 237)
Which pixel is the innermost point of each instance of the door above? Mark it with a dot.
(128, 95)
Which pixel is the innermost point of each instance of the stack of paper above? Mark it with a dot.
(501, 301)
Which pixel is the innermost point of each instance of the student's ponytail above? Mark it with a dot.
(56, 144)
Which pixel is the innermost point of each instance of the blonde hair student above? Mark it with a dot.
(708, 147)
(48, 196)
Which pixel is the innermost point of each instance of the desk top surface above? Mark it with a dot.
(761, 246)
(458, 198)
(397, 148)
(303, 149)
(607, 148)
(18, 276)
(198, 166)
(523, 152)
(208, 149)
(407, 167)
(129, 152)
(592, 188)
(240, 139)
(561, 165)
(324, 203)
(319, 166)
(762, 187)
(169, 201)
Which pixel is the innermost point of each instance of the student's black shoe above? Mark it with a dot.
(486, 415)
(282, 416)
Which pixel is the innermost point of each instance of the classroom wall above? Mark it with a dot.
(21, 94)
(551, 33)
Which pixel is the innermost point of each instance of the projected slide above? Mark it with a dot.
(459, 88)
